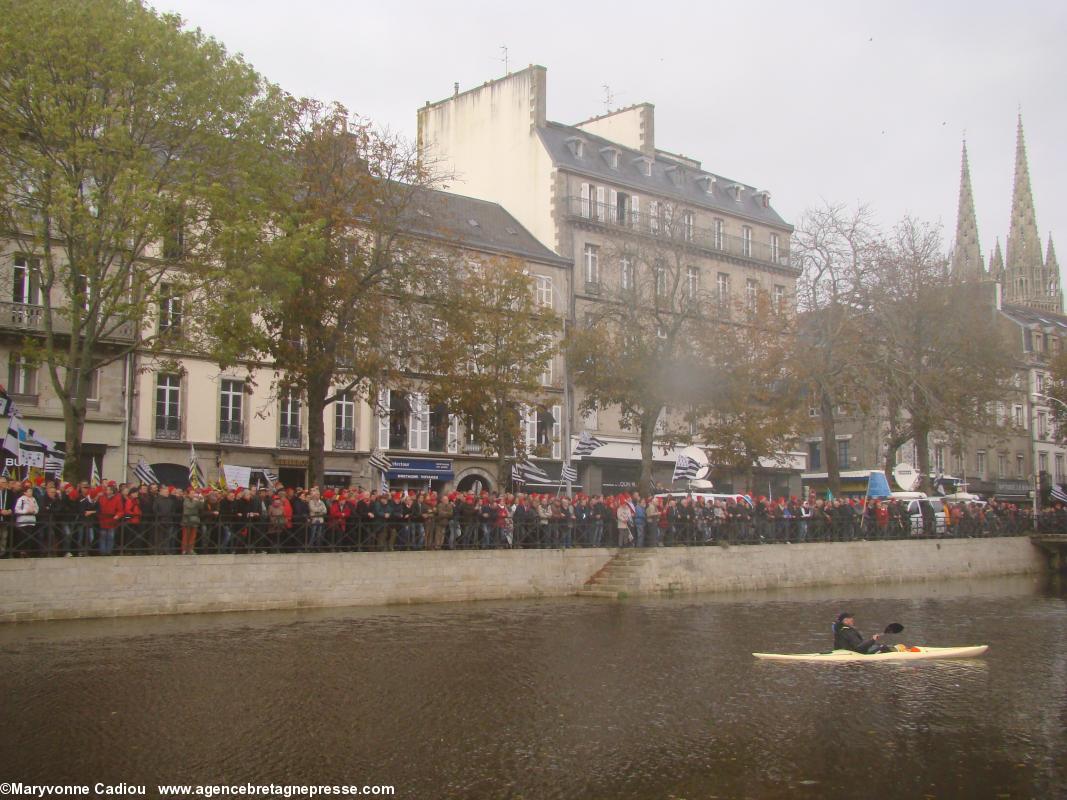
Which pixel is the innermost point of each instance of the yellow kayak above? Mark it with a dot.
(908, 654)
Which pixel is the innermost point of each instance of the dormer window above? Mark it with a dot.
(677, 175)
(735, 190)
(611, 156)
(644, 165)
(577, 146)
(763, 198)
(706, 182)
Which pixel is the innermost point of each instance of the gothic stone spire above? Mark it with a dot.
(967, 263)
(996, 263)
(1025, 281)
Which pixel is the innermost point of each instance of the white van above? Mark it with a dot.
(914, 501)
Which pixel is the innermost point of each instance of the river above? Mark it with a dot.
(643, 698)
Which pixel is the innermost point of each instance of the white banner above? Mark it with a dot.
(31, 458)
(237, 477)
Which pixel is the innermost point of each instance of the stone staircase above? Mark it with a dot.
(618, 578)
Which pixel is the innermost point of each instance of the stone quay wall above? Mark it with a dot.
(66, 588)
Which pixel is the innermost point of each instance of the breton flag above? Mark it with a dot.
(685, 468)
(1058, 494)
(516, 475)
(196, 475)
(569, 473)
(94, 479)
(270, 476)
(144, 473)
(15, 434)
(53, 464)
(529, 473)
(587, 444)
(7, 405)
(380, 461)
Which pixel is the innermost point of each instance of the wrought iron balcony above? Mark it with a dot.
(27, 317)
(169, 428)
(344, 439)
(290, 436)
(681, 230)
(231, 432)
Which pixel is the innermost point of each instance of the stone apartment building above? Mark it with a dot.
(235, 417)
(1023, 289)
(587, 189)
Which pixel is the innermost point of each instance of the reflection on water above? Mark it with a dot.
(556, 699)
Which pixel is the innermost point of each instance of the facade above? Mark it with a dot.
(236, 418)
(586, 190)
(1023, 289)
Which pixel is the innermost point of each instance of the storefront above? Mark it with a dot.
(419, 473)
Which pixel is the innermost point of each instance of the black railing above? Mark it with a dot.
(231, 432)
(344, 439)
(168, 428)
(290, 436)
(61, 536)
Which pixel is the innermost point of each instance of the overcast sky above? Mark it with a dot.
(843, 101)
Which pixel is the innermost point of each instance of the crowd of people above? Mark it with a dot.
(49, 518)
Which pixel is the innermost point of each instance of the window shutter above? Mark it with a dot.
(383, 419)
(557, 442)
(598, 213)
(584, 211)
(613, 204)
(419, 423)
(453, 434)
(635, 209)
(529, 413)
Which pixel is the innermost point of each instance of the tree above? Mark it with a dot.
(124, 139)
(634, 349)
(831, 246)
(755, 409)
(332, 297)
(492, 346)
(942, 361)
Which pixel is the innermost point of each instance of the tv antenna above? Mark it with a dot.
(609, 97)
(504, 53)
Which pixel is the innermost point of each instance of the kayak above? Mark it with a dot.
(910, 654)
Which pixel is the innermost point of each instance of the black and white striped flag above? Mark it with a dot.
(380, 461)
(270, 476)
(685, 468)
(53, 464)
(569, 473)
(516, 474)
(196, 475)
(144, 473)
(1058, 494)
(587, 443)
(530, 473)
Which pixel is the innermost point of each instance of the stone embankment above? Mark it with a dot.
(64, 588)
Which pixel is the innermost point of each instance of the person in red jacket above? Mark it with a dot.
(110, 510)
(131, 513)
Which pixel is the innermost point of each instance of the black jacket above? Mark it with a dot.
(848, 638)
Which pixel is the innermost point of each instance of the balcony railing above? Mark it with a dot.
(28, 317)
(290, 436)
(169, 428)
(344, 439)
(681, 230)
(231, 432)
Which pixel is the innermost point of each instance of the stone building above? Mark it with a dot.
(236, 417)
(584, 189)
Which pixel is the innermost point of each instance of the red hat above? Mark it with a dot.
(328, 494)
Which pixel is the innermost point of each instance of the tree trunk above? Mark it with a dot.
(829, 442)
(922, 455)
(73, 432)
(648, 435)
(316, 435)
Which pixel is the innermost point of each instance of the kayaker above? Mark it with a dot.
(846, 637)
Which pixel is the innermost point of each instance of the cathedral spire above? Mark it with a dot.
(967, 263)
(996, 263)
(1026, 282)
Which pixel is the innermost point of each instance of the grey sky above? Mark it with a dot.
(844, 101)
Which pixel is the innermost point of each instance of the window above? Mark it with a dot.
(774, 247)
(592, 264)
(585, 201)
(170, 309)
(746, 241)
(659, 273)
(661, 421)
(25, 282)
(1017, 417)
(1002, 466)
(751, 293)
(842, 453)
(1059, 467)
(1040, 381)
(419, 422)
(289, 432)
(779, 298)
(92, 389)
(979, 463)
(622, 212)
(719, 234)
(168, 406)
(722, 285)
(231, 406)
(1042, 425)
(1042, 462)
(173, 233)
(957, 462)
(635, 210)
(21, 376)
(939, 458)
(692, 282)
(626, 273)
(687, 225)
(1019, 466)
(814, 456)
(544, 291)
(654, 211)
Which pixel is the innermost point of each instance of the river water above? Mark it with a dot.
(570, 698)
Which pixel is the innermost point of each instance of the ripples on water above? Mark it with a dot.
(557, 699)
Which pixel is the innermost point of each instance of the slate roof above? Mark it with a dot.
(1035, 316)
(478, 224)
(554, 136)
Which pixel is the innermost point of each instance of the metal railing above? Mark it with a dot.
(169, 428)
(681, 230)
(59, 535)
(30, 317)
(344, 439)
(231, 432)
(290, 436)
